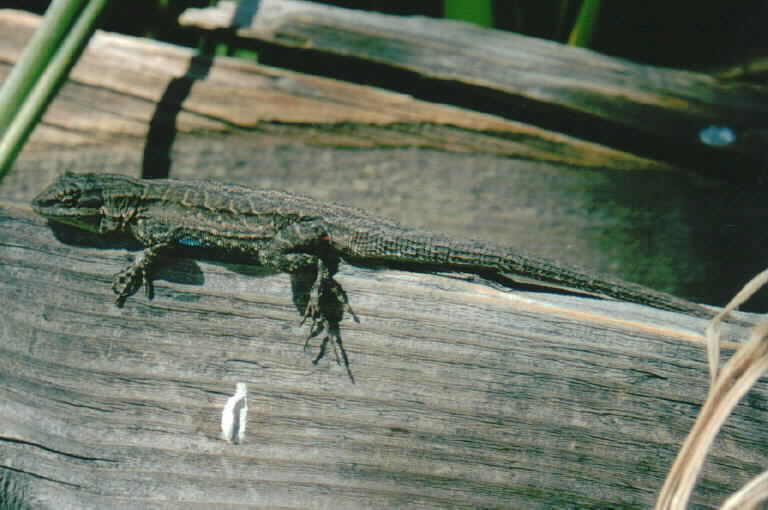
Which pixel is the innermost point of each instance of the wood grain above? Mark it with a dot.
(467, 395)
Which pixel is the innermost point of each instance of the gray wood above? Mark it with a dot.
(467, 395)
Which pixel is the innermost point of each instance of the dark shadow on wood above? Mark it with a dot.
(246, 11)
(162, 128)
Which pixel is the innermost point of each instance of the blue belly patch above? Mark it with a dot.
(186, 241)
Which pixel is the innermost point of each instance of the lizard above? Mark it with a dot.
(294, 233)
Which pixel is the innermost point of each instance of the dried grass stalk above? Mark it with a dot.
(741, 372)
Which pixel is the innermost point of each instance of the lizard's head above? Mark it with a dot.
(80, 200)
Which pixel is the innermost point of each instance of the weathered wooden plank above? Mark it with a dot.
(517, 76)
(512, 184)
(466, 395)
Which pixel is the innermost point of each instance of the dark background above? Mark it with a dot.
(693, 34)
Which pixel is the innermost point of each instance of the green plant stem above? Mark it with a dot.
(586, 23)
(57, 22)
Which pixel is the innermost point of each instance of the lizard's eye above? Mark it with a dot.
(69, 197)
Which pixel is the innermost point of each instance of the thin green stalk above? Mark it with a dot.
(586, 24)
(44, 88)
(58, 20)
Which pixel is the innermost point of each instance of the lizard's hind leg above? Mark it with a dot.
(326, 300)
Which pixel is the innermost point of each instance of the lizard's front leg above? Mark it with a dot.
(128, 281)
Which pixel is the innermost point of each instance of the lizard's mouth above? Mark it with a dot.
(86, 219)
(56, 210)
(89, 223)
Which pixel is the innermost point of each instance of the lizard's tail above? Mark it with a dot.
(570, 277)
(430, 251)
(563, 276)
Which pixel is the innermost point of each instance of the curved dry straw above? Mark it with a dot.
(741, 372)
